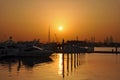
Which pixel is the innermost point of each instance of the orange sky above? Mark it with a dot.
(29, 19)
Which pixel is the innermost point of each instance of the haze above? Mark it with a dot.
(30, 19)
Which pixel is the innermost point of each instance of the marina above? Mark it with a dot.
(62, 67)
(59, 39)
(67, 61)
(35, 48)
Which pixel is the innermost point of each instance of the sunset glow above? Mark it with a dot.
(76, 17)
(60, 28)
(59, 39)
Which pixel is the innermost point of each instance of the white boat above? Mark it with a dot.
(35, 51)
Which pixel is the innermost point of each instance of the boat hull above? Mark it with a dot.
(36, 53)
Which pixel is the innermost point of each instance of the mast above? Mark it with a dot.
(49, 35)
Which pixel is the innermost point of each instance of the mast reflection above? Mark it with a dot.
(70, 62)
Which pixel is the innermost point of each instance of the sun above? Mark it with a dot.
(60, 28)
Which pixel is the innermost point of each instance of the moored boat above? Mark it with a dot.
(35, 51)
(8, 51)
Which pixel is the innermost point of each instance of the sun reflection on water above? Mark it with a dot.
(60, 64)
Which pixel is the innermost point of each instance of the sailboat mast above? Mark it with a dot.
(49, 35)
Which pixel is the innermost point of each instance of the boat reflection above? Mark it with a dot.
(28, 62)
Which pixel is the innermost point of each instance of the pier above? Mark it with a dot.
(84, 47)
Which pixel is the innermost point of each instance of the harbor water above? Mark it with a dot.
(62, 66)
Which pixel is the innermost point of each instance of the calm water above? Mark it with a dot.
(106, 49)
(58, 67)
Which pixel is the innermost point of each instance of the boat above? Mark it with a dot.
(10, 48)
(8, 51)
(35, 51)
